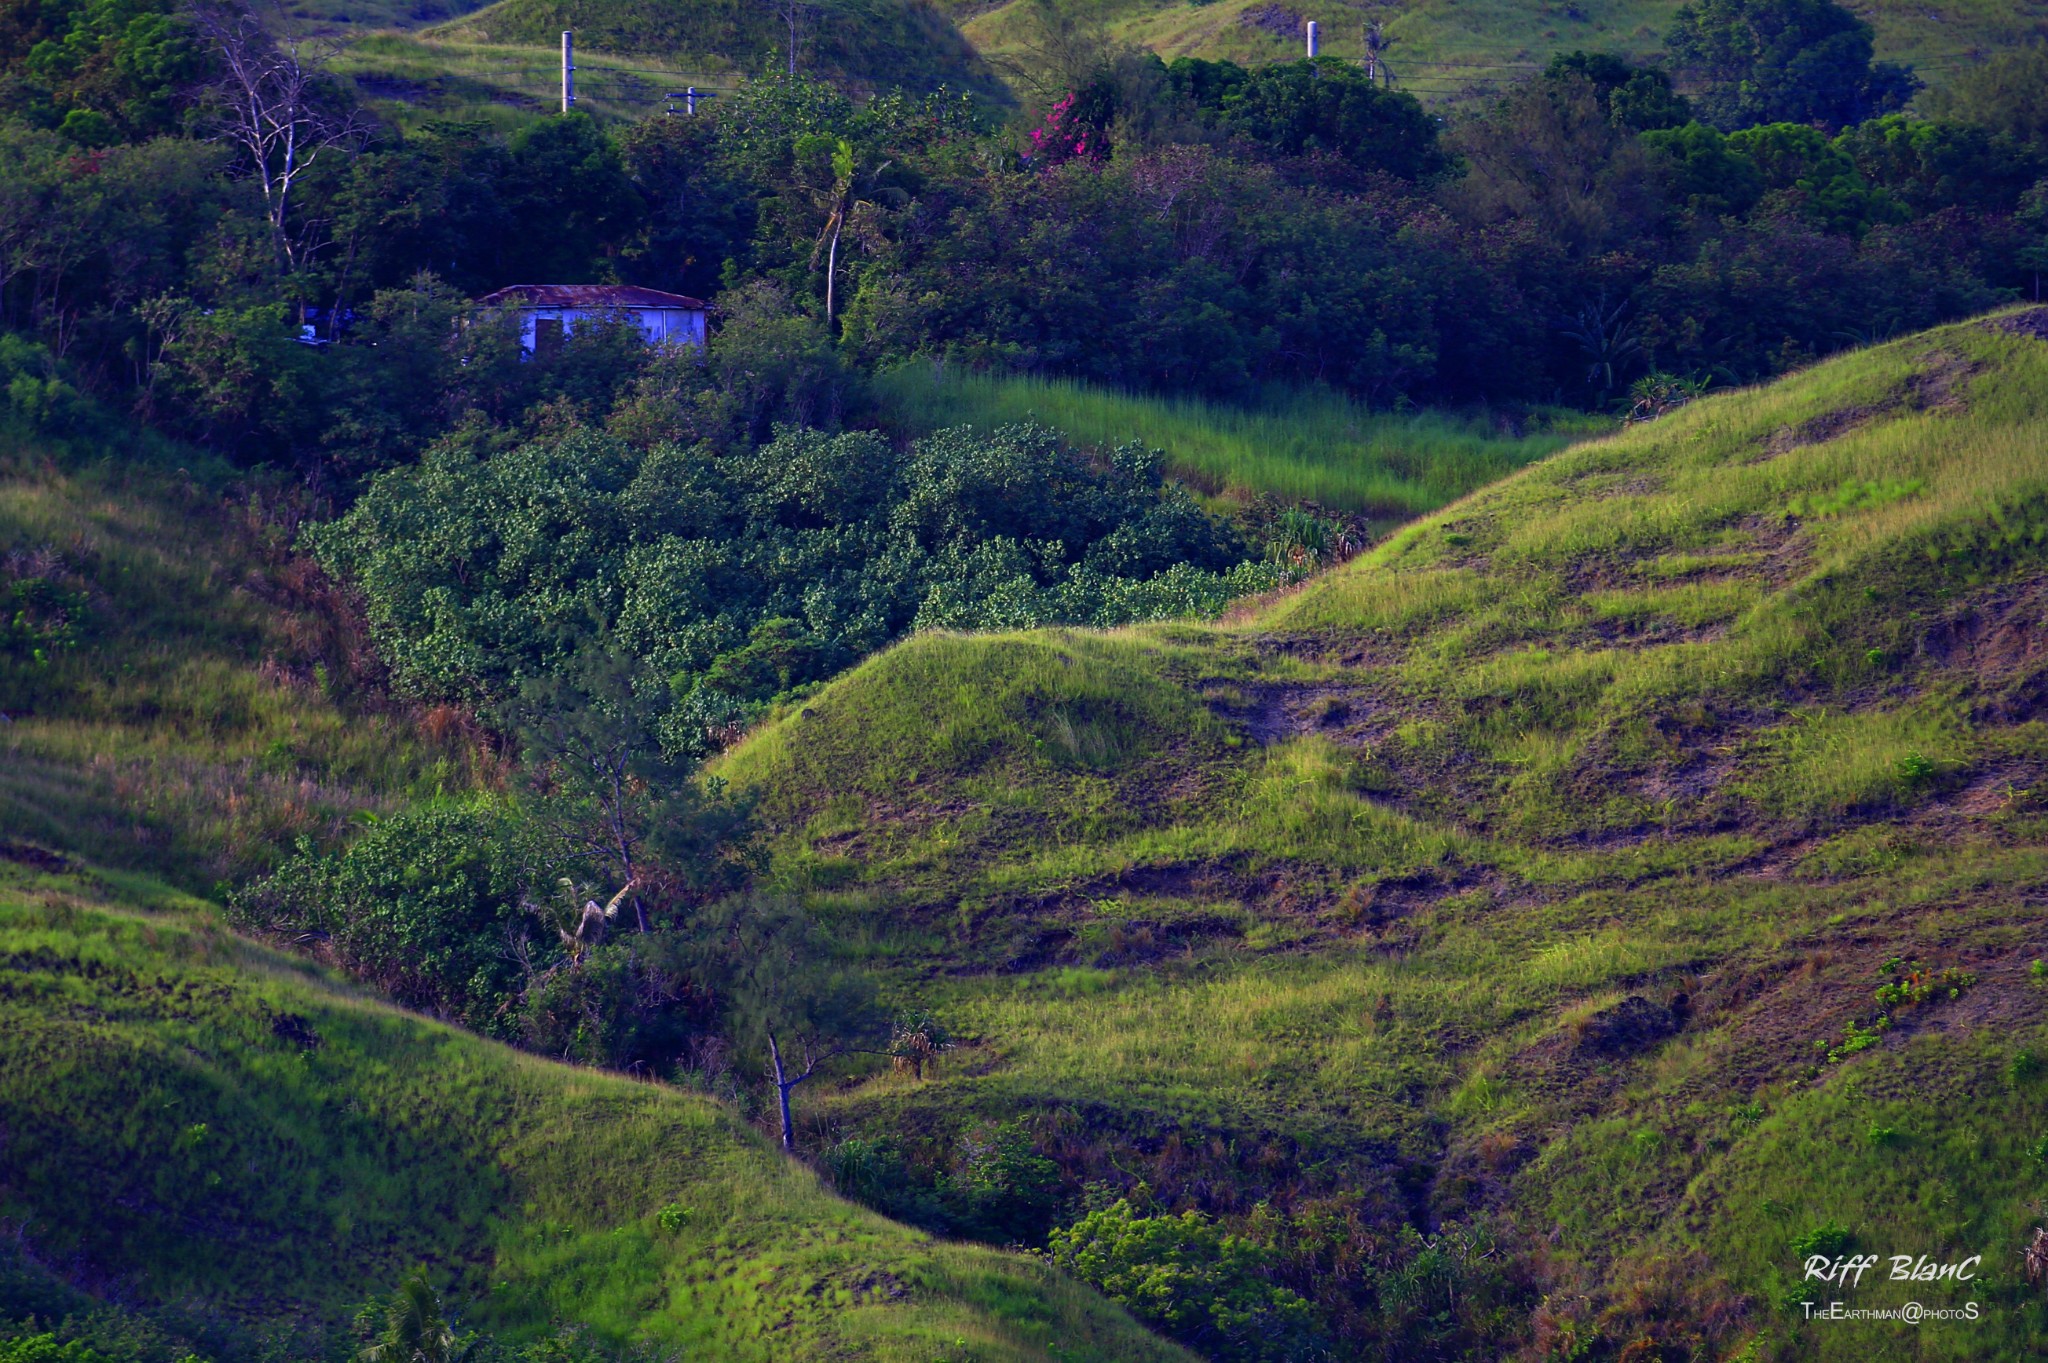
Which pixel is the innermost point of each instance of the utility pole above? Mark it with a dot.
(568, 70)
(689, 98)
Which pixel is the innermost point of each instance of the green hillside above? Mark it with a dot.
(1632, 875)
(182, 693)
(217, 1126)
(867, 45)
(1443, 48)
(238, 1147)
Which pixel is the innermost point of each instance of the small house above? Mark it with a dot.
(548, 312)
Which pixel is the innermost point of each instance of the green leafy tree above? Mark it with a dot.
(1197, 1282)
(566, 173)
(2005, 93)
(1549, 154)
(1700, 173)
(1306, 107)
(1634, 97)
(1811, 175)
(104, 71)
(1931, 165)
(1784, 61)
(602, 786)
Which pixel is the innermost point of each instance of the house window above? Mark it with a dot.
(547, 337)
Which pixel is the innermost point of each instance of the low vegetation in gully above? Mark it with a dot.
(1227, 702)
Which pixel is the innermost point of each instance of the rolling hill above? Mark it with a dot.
(1641, 859)
(1562, 919)
(448, 54)
(210, 1146)
(208, 1124)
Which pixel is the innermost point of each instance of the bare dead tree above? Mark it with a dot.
(785, 1077)
(267, 103)
(792, 13)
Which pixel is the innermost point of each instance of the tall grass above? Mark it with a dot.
(214, 702)
(1292, 444)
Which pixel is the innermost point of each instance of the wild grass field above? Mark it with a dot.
(1641, 858)
(1292, 445)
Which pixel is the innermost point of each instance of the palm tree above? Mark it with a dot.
(1609, 340)
(839, 203)
(415, 1328)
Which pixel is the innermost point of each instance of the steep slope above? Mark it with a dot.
(1642, 857)
(179, 692)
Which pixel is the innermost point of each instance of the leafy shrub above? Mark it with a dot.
(875, 1174)
(1827, 1240)
(1915, 983)
(1917, 770)
(44, 1348)
(630, 1004)
(1854, 1038)
(1205, 1287)
(742, 576)
(39, 395)
(41, 611)
(422, 903)
(1005, 1192)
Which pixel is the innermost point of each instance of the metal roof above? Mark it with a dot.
(588, 296)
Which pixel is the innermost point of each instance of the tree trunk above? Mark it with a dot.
(783, 1084)
(832, 271)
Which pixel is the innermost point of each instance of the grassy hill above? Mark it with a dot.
(451, 58)
(411, 77)
(1615, 886)
(206, 1123)
(868, 45)
(219, 1147)
(1642, 858)
(1444, 48)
